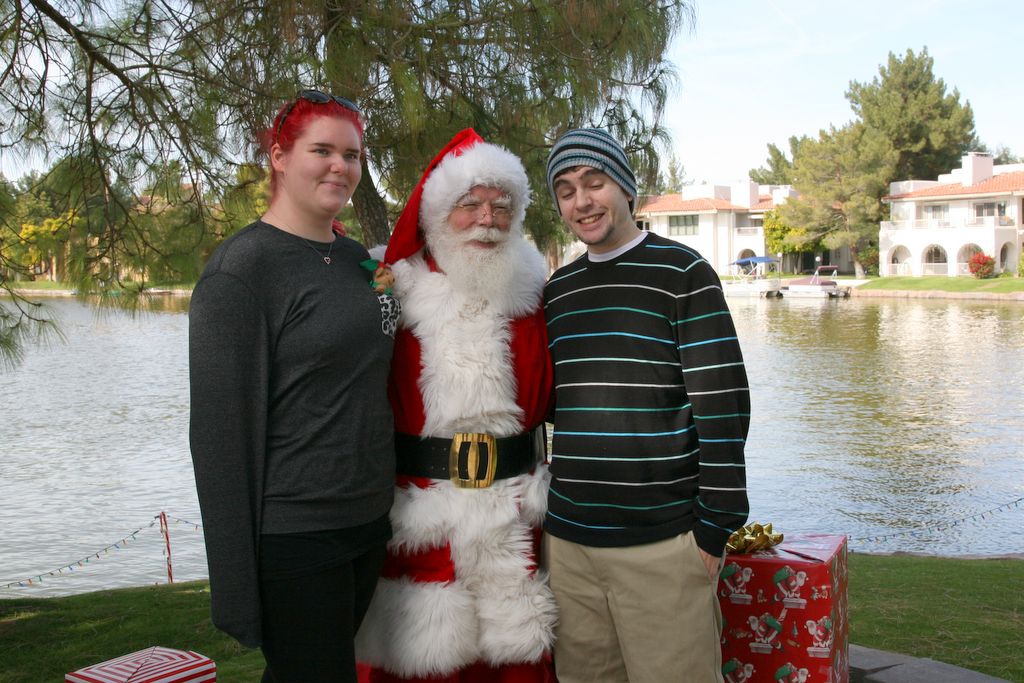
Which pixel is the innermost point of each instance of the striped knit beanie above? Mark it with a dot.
(595, 148)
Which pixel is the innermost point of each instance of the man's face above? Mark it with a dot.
(595, 208)
(481, 218)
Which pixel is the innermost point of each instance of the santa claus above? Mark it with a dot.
(461, 597)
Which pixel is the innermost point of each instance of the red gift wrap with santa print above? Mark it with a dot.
(784, 612)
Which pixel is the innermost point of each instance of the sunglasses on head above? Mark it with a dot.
(316, 97)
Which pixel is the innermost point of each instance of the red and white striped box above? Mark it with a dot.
(152, 665)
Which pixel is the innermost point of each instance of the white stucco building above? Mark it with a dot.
(936, 226)
(725, 222)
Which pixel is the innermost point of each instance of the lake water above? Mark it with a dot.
(896, 422)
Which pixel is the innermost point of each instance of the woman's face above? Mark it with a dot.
(318, 175)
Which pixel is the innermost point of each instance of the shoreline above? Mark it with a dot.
(855, 291)
(936, 294)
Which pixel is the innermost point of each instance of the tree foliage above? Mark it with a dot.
(669, 181)
(1004, 155)
(138, 97)
(840, 178)
(777, 235)
(929, 128)
(906, 126)
(779, 170)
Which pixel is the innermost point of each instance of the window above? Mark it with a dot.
(683, 225)
(982, 209)
(936, 212)
(935, 254)
(644, 225)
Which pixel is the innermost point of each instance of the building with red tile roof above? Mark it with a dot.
(725, 223)
(722, 222)
(935, 226)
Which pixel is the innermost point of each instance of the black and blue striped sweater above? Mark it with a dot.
(652, 402)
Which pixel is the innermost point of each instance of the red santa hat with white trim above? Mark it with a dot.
(464, 163)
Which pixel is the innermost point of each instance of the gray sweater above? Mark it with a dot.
(291, 430)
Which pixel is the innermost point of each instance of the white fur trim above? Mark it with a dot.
(534, 500)
(482, 164)
(377, 252)
(499, 609)
(467, 380)
(430, 517)
(518, 626)
(418, 629)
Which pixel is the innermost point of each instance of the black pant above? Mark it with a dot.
(313, 604)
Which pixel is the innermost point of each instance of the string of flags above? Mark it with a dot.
(177, 520)
(81, 562)
(130, 537)
(943, 526)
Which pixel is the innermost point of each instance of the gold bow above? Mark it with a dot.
(752, 537)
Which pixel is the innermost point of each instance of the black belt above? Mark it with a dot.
(469, 460)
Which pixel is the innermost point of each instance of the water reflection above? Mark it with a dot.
(876, 416)
(870, 417)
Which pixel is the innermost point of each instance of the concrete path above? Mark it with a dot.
(878, 666)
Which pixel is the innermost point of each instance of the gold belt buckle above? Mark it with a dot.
(475, 441)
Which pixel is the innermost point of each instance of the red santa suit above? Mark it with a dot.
(461, 598)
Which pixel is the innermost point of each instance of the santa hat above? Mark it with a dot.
(465, 162)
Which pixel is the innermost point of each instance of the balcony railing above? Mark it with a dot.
(936, 223)
(934, 268)
(747, 231)
(990, 221)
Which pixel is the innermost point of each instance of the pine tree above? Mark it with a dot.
(929, 128)
(840, 178)
(780, 169)
(117, 89)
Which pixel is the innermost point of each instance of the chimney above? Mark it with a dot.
(977, 168)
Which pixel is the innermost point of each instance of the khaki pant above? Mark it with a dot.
(639, 614)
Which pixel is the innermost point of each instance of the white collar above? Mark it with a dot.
(615, 253)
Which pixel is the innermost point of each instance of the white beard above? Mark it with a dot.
(474, 272)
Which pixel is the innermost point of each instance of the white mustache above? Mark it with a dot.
(483, 233)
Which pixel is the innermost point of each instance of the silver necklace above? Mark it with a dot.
(327, 257)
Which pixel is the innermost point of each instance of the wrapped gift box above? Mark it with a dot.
(784, 612)
(153, 665)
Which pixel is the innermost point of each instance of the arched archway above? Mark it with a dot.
(964, 255)
(899, 261)
(934, 261)
(746, 253)
(1006, 258)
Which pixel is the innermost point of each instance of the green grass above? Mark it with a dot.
(37, 284)
(42, 639)
(964, 612)
(946, 284)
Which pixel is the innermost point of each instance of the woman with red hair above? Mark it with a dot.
(291, 432)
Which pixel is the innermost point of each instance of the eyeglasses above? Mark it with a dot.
(316, 97)
(500, 208)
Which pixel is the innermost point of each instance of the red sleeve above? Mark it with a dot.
(532, 362)
(403, 385)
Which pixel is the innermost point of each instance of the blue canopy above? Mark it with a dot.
(750, 260)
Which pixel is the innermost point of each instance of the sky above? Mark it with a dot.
(754, 72)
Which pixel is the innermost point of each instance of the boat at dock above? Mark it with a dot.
(819, 285)
(754, 276)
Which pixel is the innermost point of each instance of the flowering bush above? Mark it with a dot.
(981, 265)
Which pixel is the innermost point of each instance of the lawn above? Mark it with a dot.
(964, 612)
(946, 284)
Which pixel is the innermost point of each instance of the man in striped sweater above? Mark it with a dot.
(652, 411)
